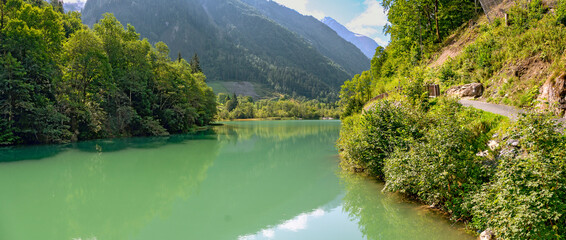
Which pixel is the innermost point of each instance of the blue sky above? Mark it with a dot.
(365, 17)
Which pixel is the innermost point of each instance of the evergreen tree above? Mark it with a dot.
(232, 103)
(195, 64)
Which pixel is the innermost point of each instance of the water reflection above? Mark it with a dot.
(387, 216)
(250, 180)
(102, 195)
(256, 181)
(38, 152)
(294, 225)
(279, 130)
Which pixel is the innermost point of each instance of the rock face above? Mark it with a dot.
(487, 235)
(553, 94)
(474, 90)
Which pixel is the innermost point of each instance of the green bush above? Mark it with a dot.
(525, 200)
(483, 54)
(367, 139)
(442, 168)
(525, 14)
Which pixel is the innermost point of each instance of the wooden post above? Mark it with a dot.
(433, 90)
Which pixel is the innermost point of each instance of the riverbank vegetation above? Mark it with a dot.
(439, 155)
(244, 107)
(481, 169)
(62, 81)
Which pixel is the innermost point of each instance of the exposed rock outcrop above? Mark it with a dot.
(553, 94)
(474, 90)
(487, 235)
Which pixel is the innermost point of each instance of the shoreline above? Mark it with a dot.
(273, 119)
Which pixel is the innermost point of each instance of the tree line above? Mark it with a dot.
(284, 107)
(61, 81)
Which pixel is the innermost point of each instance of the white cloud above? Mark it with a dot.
(301, 7)
(371, 21)
(381, 41)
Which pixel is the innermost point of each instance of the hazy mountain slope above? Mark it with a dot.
(234, 41)
(322, 37)
(365, 44)
(77, 6)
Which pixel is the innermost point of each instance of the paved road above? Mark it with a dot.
(510, 112)
(504, 110)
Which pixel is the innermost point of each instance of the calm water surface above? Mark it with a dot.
(244, 180)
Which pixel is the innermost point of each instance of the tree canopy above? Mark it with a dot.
(62, 81)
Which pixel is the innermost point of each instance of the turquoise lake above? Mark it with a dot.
(242, 180)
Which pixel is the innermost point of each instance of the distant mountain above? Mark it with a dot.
(322, 37)
(237, 42)
(76, 6)
(365, 44)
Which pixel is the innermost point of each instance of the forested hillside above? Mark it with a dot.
(61, 81)
(505, 177)
(323, 38)
(235, 43)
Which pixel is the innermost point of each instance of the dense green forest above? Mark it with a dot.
(244, 107)
(481, 169)
(268, 46)
(62, 81)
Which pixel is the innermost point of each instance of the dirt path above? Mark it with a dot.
(504, 110)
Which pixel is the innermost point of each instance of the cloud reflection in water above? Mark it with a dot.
(293, 225)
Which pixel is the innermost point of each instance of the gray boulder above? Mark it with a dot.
(473, 90)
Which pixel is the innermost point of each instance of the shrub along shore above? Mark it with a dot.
(478, 167)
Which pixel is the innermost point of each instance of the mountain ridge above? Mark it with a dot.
(235, 41)
(364, 43)
(321, 36)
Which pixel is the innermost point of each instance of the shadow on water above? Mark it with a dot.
(38, 152)
(20, 153)
(119, 144)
